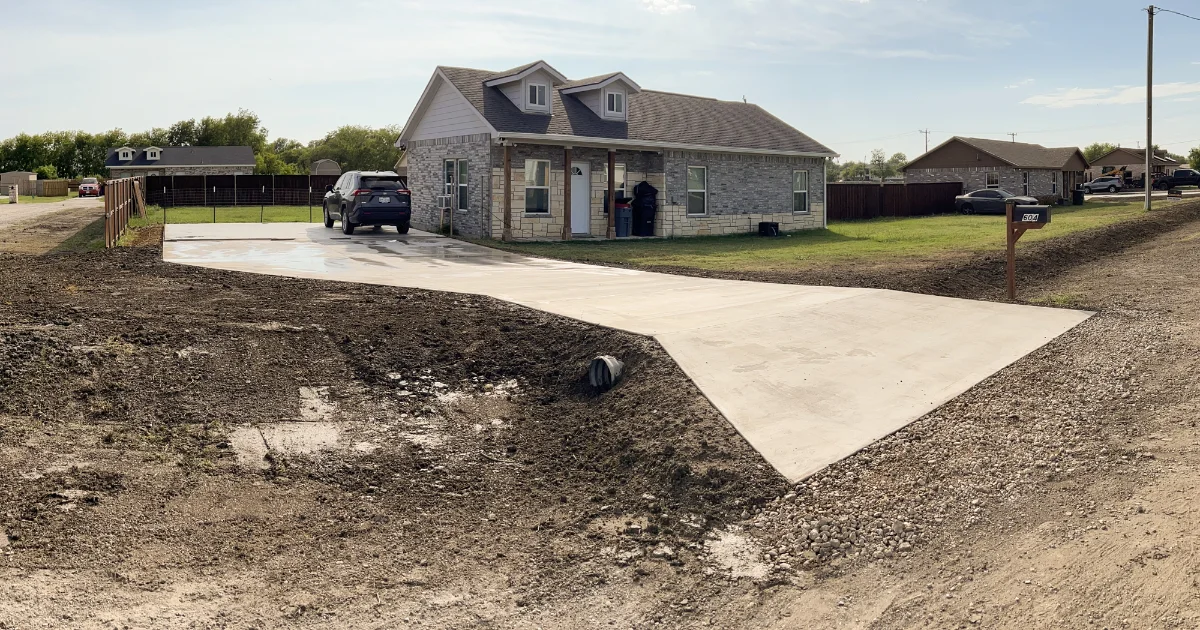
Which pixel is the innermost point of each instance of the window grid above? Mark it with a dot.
(800, 192)
(697, 190)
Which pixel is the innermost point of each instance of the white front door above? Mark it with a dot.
(581, 197)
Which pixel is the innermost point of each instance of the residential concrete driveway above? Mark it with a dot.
(11, 214)
(808, 375)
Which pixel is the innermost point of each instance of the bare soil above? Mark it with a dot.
(44, 232)
(437, 460)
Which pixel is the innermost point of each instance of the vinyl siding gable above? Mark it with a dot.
(449, 114)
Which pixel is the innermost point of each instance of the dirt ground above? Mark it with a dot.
(43, 232)
(188, 448)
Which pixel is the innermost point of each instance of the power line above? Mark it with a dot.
(1162, 10)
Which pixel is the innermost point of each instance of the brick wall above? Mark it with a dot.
(742, 190)
(182, 170)
(1041, 181)
(426, 159)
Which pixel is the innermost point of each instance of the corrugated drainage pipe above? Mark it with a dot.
(605, 371)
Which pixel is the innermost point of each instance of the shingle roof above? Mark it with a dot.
(589, 81)
(652, 117)
(187, 156)
(511, 71)
(1140, 154)
(1022, 154)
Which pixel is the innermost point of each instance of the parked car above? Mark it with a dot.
(1181, 177)
(374, 198)
(1106, 183)
(989, 201)
(89, 187)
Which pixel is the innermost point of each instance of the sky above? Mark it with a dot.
(854, 74)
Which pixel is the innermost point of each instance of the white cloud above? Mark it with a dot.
(666, 7)
(1018, 84)
(1076, 97)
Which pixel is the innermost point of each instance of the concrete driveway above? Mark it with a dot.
(808, 375)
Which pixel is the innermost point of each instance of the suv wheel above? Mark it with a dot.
(968, 209)
(1112, 189)
(347, 226)
(328, 219)
(402, 228)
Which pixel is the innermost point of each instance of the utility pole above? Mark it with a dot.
(1013, 134)
(1147, 179)
(926, 132)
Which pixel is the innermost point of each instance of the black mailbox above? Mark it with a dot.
(1031, 214)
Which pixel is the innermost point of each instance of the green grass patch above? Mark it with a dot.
(879, 240)
(235, 214)
(89, 239)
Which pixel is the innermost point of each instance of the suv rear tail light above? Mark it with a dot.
(363, 192)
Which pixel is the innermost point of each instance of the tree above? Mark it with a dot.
(358, 148)
(1097, 150)
(854, 171)
(895, 163)
(1194, 158)
(47, 171)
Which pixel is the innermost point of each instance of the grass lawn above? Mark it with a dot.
(90, 238)
(31, 199)
(236, 214)
(880, 240)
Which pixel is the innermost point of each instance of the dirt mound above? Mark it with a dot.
(449, 436)
(981, 277)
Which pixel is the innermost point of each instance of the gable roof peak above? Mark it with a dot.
(520, 72)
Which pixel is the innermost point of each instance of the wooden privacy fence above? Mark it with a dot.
(868, 200)
(170, 191)
(122, 197)
(52, 187)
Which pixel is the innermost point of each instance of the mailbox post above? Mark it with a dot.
(1016, 221)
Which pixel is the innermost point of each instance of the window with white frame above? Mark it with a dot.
(697, 190)
(615, 104)
(537, 186)
(537, 95)
(1054, 183)
(126, 155)
(800, 191)
(619, 182)
(463, 192)
(991, 180)
(152, 155)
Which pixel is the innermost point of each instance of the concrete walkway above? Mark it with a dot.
(808, 375)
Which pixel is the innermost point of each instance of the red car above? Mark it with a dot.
(89, 187)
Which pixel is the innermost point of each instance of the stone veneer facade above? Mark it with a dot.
(743, 189)
(146, 171)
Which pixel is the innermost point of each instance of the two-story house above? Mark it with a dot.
(528, 153)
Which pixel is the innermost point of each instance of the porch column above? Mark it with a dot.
(507, 233)
(566, 232)
(612, 194)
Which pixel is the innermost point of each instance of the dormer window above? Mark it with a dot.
(616, 104)
(126, 153)
(537, 96)
(153, 153)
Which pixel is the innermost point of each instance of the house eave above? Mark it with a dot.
(181, 166)
(618, 143)
(599, 85)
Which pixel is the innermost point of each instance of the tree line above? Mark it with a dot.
(82, 154)
(880, 166)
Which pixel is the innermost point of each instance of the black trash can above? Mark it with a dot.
(645, 206)
(624, 220)
(1077, 196)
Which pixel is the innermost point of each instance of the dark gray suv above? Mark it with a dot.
(374, 198)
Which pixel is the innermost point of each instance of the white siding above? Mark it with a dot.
(514, 93)
(591, 98)
(449, 114)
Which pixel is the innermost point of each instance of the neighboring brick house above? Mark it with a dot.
(1018, 167)
(227, 160)
(1132, 162)
(530, 135)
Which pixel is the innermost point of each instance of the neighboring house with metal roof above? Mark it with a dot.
(225, 160)
(532, 145)
(1133, 163)
(1048, 173)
